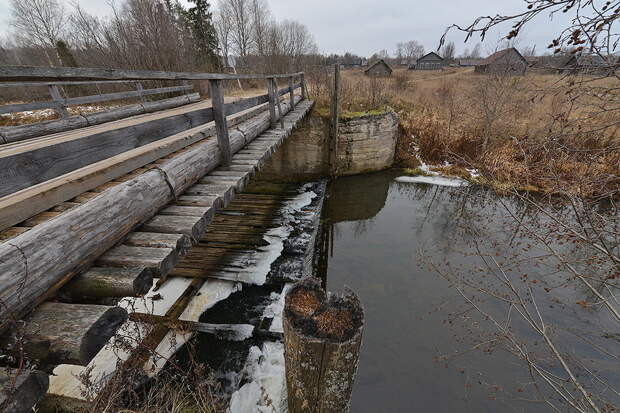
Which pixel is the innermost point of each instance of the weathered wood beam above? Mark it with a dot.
(69, 333)
(107, 282)
(27, 73)
(219, 115)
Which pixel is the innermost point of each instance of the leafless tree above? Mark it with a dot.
(412, 50)
(39, 23)
(448, 51)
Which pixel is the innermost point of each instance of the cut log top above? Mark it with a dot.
(315, 314)
(21, 390)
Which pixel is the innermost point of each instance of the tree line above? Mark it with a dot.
(157, 35)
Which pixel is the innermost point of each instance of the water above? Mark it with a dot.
(418, 354)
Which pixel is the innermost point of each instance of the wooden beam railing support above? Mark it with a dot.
(141, 90)
(271, 90)
(278, 102)
(291, 85)
(335, 115)
(60, 108)
(219, 115)
(304, 89)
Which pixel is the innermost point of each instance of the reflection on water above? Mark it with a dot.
(417, 353)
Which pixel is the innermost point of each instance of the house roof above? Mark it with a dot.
(431, 54)
(379, 62)
(585, 60)
(499, 54)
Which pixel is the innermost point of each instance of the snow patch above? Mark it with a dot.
(276, 309)
(433, 180)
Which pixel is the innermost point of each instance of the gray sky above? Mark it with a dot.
(367, 26)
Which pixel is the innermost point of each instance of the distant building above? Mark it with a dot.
(379, 69)
(469, 62)
(430, 61)
(584, 64)
(505, 62)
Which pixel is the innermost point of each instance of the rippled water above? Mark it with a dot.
(424, 350)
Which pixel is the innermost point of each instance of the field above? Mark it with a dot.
(540, 132)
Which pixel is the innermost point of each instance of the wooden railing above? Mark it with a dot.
(25, 76)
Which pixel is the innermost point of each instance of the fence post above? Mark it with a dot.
(272, 102)
(61, 109)
(334, 121)
(140, 89)
(219, 115)
(304, 89)
(278, 103)
(291, 85)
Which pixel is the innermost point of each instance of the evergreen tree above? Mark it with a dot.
(64, 54)
(200, 21)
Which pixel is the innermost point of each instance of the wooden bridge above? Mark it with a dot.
(122, 206)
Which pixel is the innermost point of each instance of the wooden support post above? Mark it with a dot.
(140, 89)
(272, 102)
(322, 339)
(291, 85)
(219, 115)
(278, 102)
(304, 89)
(335, 115)
(61, 109)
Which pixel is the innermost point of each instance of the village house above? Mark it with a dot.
(584, 64)
(430, 61)
(379, 69)
(504, 62)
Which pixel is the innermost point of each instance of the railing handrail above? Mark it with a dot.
(46, 74)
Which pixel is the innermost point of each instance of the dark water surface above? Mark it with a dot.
(417, 352)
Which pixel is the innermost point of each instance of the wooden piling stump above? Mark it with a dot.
(322, 339)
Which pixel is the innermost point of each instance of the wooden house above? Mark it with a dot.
(430, 61)
(505, 62)
(379, 69)
(469, 62)
(584, 64)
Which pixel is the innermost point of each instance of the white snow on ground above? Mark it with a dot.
(433, 180)
(266, 392)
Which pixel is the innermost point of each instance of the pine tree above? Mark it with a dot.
(64, 54)
(200, 20)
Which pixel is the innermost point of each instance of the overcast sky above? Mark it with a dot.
(367, 26)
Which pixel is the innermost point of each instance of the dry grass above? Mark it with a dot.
(536, 132)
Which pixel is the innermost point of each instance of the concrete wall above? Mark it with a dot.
(367, 143)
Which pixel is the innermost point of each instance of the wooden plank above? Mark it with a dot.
(60, 107)
(158, 260)
(219, 115)
(103, 283)
(181, 243)
(21, 390)
(40, 73)
(193, 227)
(106, 97)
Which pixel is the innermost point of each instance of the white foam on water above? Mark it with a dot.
(266, 390)
(432, 180)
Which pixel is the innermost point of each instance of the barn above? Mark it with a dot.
(505, 62)
(430, 61)
(379, 69)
